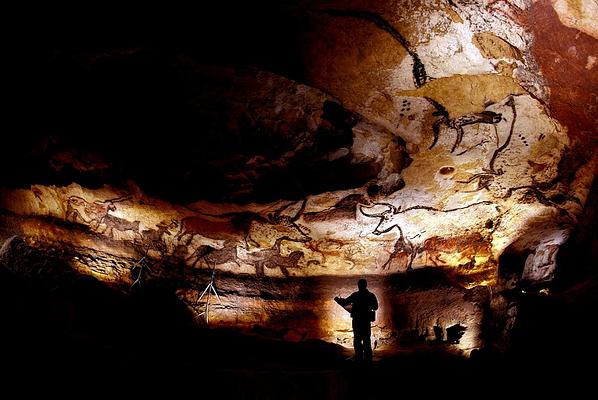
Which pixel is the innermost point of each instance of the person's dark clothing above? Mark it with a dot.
(363, 305)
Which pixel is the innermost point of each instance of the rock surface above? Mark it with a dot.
(424, 136)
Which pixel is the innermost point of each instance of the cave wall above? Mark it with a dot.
(427, 134)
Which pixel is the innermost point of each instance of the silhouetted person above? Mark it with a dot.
(363, 306)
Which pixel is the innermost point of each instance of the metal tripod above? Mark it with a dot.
(142, 264)
(209, 290)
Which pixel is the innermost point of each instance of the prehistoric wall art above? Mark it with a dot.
(422, 137)
(493, 166)
(495, 169)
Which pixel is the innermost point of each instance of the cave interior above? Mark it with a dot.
(184, 195)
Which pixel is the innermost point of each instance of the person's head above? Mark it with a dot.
(362, 284)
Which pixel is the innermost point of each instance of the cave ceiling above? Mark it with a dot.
(341, 138)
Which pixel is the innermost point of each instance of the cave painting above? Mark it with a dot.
(420, 77)
(485, 178)
(91, 213)
(273, 226)
(248, 230)
(213, 256)
(484, 117)
(465, 247)
(251, 226)
(218, 229)
(97, 213)
(153, 239)
(202, 240)
(391, 216)
(272, 258)
(403, 253)
(112, 223)
(344, 209)
(260, 259)
(484, 132)
(442, 111)
(334, 236)
(406, 248)
(214, 241)
(472, 101)
(481, 149)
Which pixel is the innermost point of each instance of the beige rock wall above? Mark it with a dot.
(468, 136)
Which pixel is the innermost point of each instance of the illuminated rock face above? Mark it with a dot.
(424, 136)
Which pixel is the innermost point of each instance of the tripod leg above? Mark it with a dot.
(208, 305)
(138, 279)
(202, 294)
(216, 293)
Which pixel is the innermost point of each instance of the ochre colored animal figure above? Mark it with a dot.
(276, 226)
(206, 227)
(254, 226)
(345, 209)
(284, 263)
(153, 238)
(113, 222)
(213, 257)
(79, 209)
(467, 246)
(269, 231)
(403, 253)
(271, 258)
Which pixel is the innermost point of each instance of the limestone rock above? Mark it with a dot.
(444, 142)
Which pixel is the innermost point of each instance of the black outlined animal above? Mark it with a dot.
(404, 253)
(113, 222)
(91, 213)
(209, 227)
(154, 238)
(484, 117)
(268, 228)
(420, 77)
(468, 246)
(277, 225)
(213, 256)
(393, 217)
(272, 258)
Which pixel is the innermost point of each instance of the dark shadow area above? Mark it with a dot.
(183, 131)
(555, 325)
(556, 331)
(419, 279)
(511, 264)
(454, 333)
(438, 334)
(119, 99)
(71, 331)
(576, 259)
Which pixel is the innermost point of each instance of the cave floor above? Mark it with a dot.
(226, 364)
(88, 336)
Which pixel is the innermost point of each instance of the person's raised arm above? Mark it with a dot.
(341, 301)
(347, 301)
